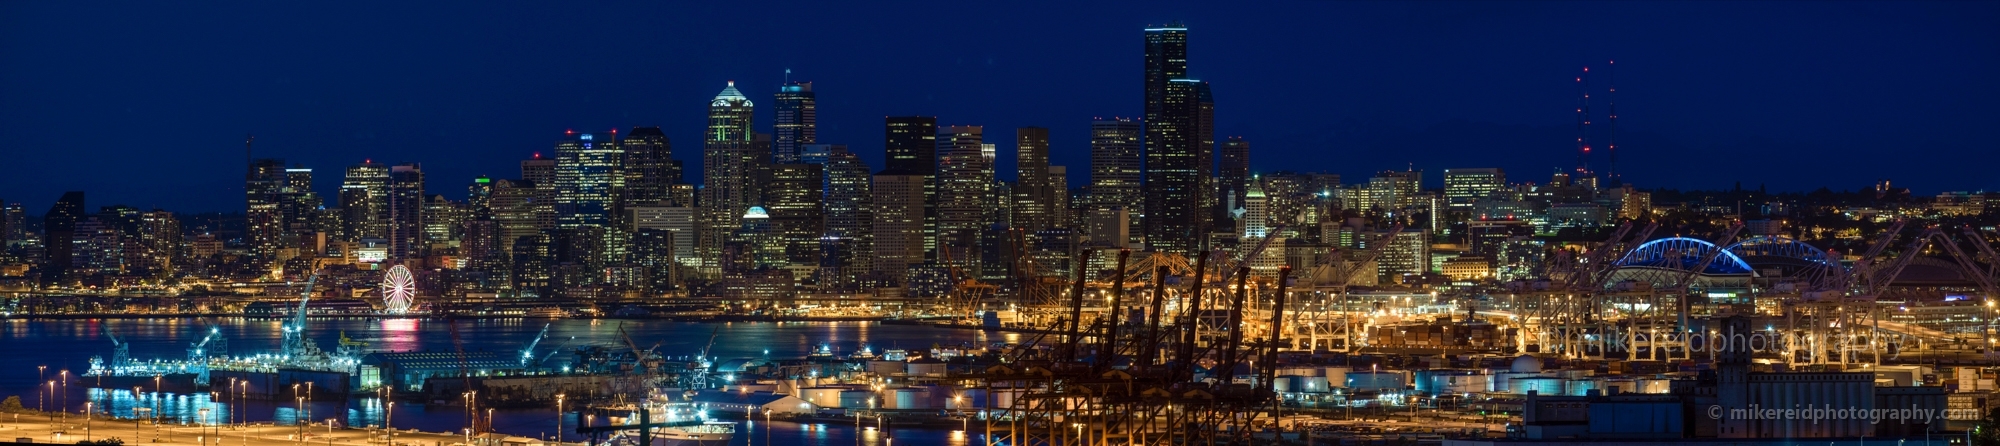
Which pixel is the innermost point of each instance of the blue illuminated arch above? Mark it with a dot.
(1780, 247)
(1682, 254)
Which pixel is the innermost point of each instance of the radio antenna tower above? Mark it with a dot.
(1611, 144)
(1583, 125)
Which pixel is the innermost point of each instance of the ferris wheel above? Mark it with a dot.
(399, 290)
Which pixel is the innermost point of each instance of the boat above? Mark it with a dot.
(677, 422)
(712, 433)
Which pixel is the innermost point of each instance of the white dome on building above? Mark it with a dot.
(1527, 364)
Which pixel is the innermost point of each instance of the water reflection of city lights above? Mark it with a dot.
(399, 325)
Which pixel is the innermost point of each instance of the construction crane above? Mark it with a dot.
(553, 352)
(1339, 272)
(121, 351)
(528, 353)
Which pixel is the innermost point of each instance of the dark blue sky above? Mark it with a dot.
(147, 103)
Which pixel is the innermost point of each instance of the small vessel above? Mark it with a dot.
(711, 433)
(675, 421)
(865, 354)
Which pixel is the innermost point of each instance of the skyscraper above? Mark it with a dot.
(1166, 60)
(406, 211)
(730, 163)
(264, 225)
(1232, 177)
(1059, 197)
(7, 227)
(796, 121)
(1175, 176)
(912, 144)
(515, 207)
(1178, 165)
(1463, 187)
(479, 198)
(364, 202)
(964, 176)
(793, 199)
(650, 170)
(1034, 193)
(849, 216)
(590, 176)
(299, 205)
(911, 149)
(540, 173)
(1116, 162)
(160, 236)
(898, 221)
(15, 217)
(59, 225)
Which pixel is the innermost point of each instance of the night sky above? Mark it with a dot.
(147, 103)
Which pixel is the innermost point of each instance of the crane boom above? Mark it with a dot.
(529, 353)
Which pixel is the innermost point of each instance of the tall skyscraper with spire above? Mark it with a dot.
(730, 165)
(796, 121)
(1178, 165)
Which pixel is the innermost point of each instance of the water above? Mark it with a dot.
(68, 344)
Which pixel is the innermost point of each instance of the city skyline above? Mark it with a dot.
(1510, 109)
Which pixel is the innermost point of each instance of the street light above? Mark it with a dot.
(135, 410)
(86, 421)
(767, 427)
(201, 418)
(41, 374)
(65, 395)
(559, 415)
(388, 422)
(299, 420)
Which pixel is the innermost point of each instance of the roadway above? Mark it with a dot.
(39, 428)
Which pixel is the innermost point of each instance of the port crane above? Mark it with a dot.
(528, 354)
(198, 353)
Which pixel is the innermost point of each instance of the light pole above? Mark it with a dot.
(218, 412)
(767, 427)
(156, 400)
(298, 420)
(329, 432)
(232, 388)
(201, 420)
(86, 421)
(41, 374)
(388, 422)
(52, 391)
(135, 410)
(559, 415)
(65, 395)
